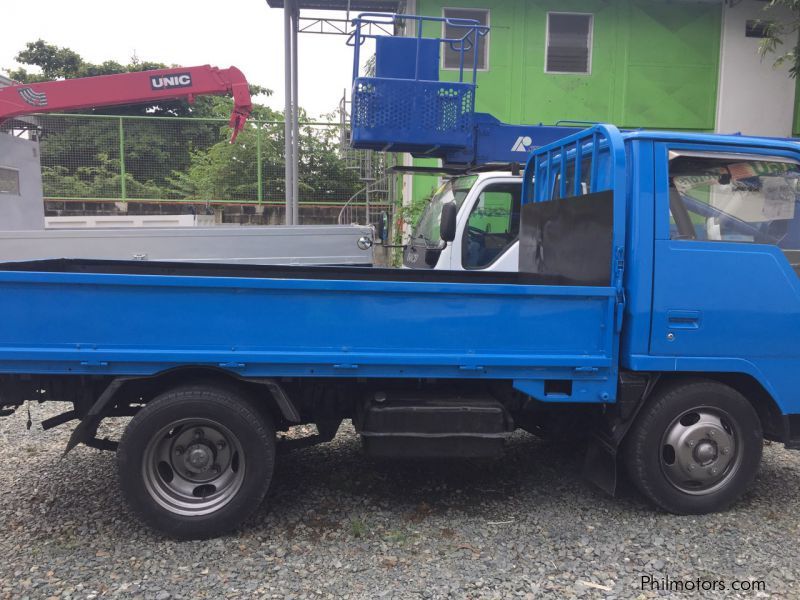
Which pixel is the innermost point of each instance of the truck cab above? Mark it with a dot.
(487, 225)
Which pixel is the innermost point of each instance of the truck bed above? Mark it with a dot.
(141, 318)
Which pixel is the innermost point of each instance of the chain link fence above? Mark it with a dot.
(143, 165)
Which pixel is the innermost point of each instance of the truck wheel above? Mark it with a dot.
(196, 461)
(695, 447)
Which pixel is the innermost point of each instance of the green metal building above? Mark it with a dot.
(679, 64)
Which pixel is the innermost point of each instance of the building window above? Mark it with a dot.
(452, 58)
(9, 181)
(755, 28)
(569, 43)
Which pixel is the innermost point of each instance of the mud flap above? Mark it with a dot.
(600, 464)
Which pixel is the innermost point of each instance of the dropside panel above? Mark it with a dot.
(142, 324)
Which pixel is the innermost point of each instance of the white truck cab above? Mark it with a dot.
(487, 225)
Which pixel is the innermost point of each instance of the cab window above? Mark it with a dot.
(731, 198)
(493, 225)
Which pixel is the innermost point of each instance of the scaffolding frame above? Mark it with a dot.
(293, 25)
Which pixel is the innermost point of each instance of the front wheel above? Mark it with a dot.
(695, 447)
(196, 461)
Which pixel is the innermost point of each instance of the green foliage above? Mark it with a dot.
(778, 31)
(153, 149)
(323, 175)
(222, 170)
(94, 182)
(358, 528)
(55, 62)
(228, 170)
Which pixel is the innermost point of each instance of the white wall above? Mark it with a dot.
(18, 152)
(754, 97)
(24, 211)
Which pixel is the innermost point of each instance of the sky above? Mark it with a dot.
(243, 33)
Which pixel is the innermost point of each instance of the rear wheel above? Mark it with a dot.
(196, 461)
(695, 447)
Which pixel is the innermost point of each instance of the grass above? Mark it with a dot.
(358, 528)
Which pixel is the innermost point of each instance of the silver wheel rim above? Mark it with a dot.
(193, 467)
(700, 451)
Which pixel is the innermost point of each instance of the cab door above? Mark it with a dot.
(726, 295)
(489, 226)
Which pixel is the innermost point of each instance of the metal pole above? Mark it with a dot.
(123, 183)
(287, 113)
(259, 165)
(295, 119)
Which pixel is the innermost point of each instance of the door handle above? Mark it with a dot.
(683, 319)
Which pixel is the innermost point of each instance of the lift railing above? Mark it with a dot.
(364, 26)
(404, 107)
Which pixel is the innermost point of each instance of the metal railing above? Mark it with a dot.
(124, 159)
(379, 192)
(368, 203)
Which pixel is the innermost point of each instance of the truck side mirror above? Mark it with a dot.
(447, 226)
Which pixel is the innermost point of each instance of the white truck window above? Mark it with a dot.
(493, 225)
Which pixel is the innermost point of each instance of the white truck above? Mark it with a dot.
(487, 225)
(23, 232)
(26, 234)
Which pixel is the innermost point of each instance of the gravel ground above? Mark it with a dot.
(339, 525)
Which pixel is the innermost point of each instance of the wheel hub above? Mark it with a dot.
(193, 466)
(198, 458)
(705, 452)
(699, 451)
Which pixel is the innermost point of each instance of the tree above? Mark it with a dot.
(777, 31)
(227, 171)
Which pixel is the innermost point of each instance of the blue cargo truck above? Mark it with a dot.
(660, 309)
(655, 310)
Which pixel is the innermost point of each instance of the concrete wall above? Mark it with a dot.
(22, 211)
(754, 97)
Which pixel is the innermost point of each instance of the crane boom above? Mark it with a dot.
(130, 88)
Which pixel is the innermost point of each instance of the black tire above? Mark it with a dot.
(694, 467)
(231, 444)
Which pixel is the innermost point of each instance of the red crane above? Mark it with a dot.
(130, 88)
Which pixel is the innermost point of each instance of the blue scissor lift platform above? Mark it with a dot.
(404, 107)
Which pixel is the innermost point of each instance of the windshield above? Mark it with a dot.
(453, 190)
